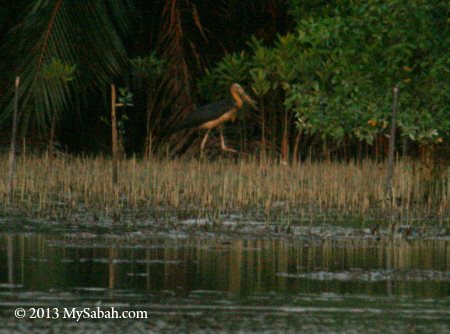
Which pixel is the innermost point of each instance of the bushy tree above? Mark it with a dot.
(337, 67)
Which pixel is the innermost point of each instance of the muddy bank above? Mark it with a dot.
(86, 226)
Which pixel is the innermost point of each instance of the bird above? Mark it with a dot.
(213, 115)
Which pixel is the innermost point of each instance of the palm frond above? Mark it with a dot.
(83, 36)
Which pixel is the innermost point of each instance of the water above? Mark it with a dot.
(225, 283)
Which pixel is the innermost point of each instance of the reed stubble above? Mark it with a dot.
(308, 191)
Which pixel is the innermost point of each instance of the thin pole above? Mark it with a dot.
(390, 163)
(115, 146)
(12, 153)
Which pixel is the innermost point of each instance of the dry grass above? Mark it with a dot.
(307, 191)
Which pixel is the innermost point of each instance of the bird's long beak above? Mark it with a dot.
(251, 101)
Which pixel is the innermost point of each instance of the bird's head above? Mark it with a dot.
(236, 88)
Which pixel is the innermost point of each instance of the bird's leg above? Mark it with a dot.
(222, 142)
(202, 146)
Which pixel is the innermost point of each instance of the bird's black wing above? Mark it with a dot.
(205, 114)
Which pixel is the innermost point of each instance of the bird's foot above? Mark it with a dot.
(224, 148)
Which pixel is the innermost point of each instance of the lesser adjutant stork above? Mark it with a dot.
(213, 115)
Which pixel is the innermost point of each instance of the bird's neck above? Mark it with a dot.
(237, 98)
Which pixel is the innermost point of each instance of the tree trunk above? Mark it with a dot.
(115, 144)
(12, 154)
(177, 78)
(296, 153)
(404, 146)
(263, 132)
(52, 136)
(390, 163)
(377, 148)
(359, 157)
(285, 142)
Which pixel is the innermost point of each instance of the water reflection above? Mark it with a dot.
(241, 267)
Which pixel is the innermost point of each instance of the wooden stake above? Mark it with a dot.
(12, 153)
(115, 144)
(390, 162)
